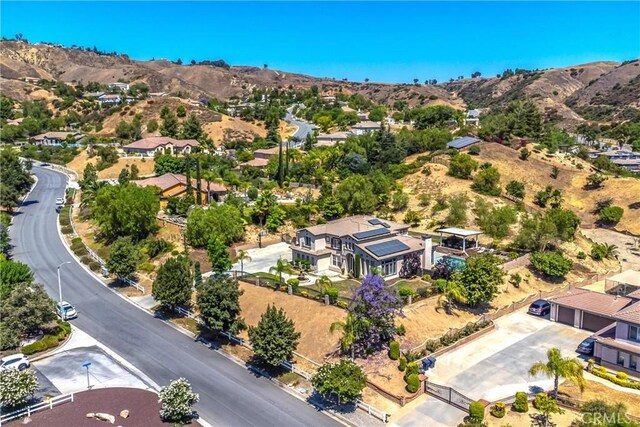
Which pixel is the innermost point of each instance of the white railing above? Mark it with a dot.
(375, 412)
(49, 404)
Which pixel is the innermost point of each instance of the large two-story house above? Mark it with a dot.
(152, 145)
(359, 243)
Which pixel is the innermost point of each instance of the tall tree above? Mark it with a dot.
(198, 183)
(219, 304)
(218, 255)
(123, 257)
(274, 338)
(173, 284)
(15, 180)
(242, 256)
(352, 329)
(344, 380)
(557, 367)
(282, 266)
(481, 277)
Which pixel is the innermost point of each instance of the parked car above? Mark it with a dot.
(59, 201)
(18, 361)
(66, 311)
(586, 346)
(540, 307)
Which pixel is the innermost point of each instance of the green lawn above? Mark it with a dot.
(345, 287)
(267, 275)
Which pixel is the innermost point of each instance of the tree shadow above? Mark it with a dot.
(28, 203)
(322, 403)
(538, 420)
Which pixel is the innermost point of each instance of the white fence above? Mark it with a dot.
(373, 411)
(49, 404)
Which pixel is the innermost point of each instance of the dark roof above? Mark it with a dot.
(387, 248)
(463, 142)
(370, 233)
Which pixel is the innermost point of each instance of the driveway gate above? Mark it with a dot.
(448, 395)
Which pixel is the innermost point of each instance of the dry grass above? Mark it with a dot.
(145, 166)
(232, 128)
(595, 390)
(513, 418)
(535, 173)
(312, 318)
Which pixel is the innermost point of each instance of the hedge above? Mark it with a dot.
(94, 265)
(403, 364)
(86, 260)
(413, 383)
(521, 403)
(59, 333)
(476, 411)
(81, 251)
(600, 371)
(67, 229)
(394, 350)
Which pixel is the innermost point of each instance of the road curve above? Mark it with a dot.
(230, 395)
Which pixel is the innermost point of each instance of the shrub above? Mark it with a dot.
(94, 265)
(34, 347)
(622, 376)
(332, 293)
(413, 383)
(65, 221)
(86, 260)
(551, 264)
(157, 247)
(81, 251)
(474, 150)
(402, 366)
(602, 372)
(521, 403)
(77, 245)
(75, 241)
(175, 252)
(412, 369)
(498, 410)
(476, 411)
(306, 294)
(342, 304)
(515, 280)
(405, 291)
(147, 267)
(294, 283)
(394, 350)
(401, 330)
(610, 215)
(67, 229)
(581, 255)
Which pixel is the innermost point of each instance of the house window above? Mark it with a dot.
(621, 357)
(389, 268)
(306, 241)
(335, 260)
(634, 333)
(335, 243)
(348, 245)
(633, 362)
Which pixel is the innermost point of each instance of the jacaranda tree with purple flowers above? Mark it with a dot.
(376, 307)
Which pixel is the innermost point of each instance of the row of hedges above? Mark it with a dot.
(449, 339)
(50, 340)
(621, 378)
(65, 220)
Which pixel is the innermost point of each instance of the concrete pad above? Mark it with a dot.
(146, 301)
(262, 259)
(431, 412)
(65, 371)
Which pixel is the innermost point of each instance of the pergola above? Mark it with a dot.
(460, 232)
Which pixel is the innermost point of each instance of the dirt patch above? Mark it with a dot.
(145, 166)
(595, 390)
(513, 418)
(233, 128)
(312, 319)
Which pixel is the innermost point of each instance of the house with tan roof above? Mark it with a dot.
(618, 345)
(331, 139)
(56, 138)
(358, 244)
(175, 185)
(262, 156)
(366, 127)
(149, 147)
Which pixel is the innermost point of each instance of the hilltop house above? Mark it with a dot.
(357, 244)
(463, 142)
(148, 147)
(56, 138)
(473, 118)
(118, 85)
(365, 127)
(174, 185)
(331, 139)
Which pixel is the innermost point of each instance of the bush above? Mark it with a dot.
(86, 260)
(622, 376)
(81, 251)
(581, 255)
(551, 264)
(401, 330)
(521, 403)
(610, 215)
(65, 221)
(306, 294)
(474, 150)
(342, 304)
(405, 291)
(413, 383)
(476, 411)
(602, 372)
(76, 246)
(498, 410)
(34, 347)
(294, 283)
(48, 341)
(157, 247)
(94, 266)
(75, 241)
(412, 369)
(67, 229)
(332, 293)
(147, 267)
(402, 366)
(394, 350)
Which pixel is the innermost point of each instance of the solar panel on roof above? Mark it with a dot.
(387, 248)
(385, 225)
(462, 142)
(370, 233)
(374, 221)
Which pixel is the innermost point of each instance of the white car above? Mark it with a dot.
(59, 201)
(66, 311)
(17, 361)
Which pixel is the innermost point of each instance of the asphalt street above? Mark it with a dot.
(304, 128)
(230, 394)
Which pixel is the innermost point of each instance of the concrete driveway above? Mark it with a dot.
(494, 366)
(262, 259)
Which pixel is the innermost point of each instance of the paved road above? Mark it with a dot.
(229, 394)
(304, 128)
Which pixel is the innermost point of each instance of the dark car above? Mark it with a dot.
(540, 307)
(586, 346)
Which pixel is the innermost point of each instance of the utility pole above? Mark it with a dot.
(59, 281)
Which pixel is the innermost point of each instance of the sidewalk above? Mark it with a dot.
(589, 376)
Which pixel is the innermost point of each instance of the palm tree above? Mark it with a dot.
(609, 251)
(242, 256)
(282, 266)
(323, 281)
(453, 293)
(558, 367)
(351, 329)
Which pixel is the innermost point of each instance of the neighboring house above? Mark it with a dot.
(148, 147)
(56, 138)
(256, 163)
(473, 118)
(236, 110)
(267, 153)
(110, 99)
(330, 139)
(365, 127)
(465, 141)
(585, 309)
(631, 164)
(618, 346)
(15, 122)
(612, 155)
(363, 115)
(120, 86)
(174, 185)
(624, 283)
(33, 80)
(357, 244)
(95, 95)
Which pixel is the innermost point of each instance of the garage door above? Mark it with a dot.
(565, 315)
(593, 322)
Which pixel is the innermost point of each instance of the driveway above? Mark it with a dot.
(494, 366)
(262, 259)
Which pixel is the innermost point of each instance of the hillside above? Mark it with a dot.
(536, 175)
(597, 91)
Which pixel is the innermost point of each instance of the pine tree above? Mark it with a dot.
(218, 255)
(198, 183)
(274, 339)
(172, 286)
(219, 304)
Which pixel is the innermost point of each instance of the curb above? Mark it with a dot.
(53, 351)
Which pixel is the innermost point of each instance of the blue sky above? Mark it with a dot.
(391, 42)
